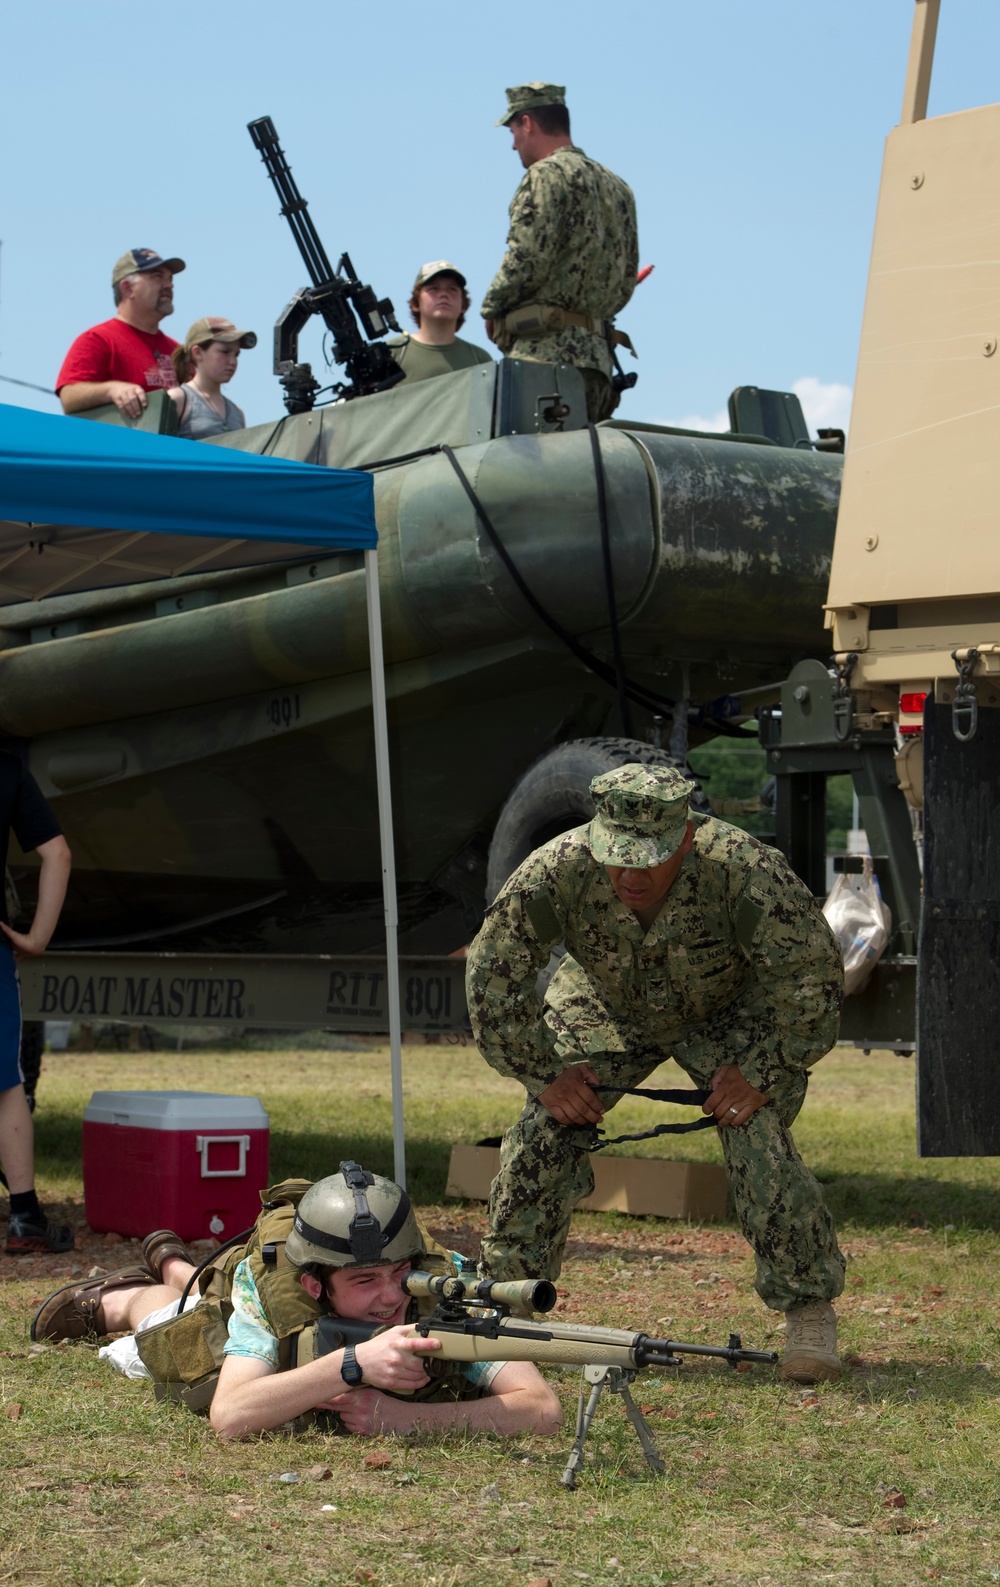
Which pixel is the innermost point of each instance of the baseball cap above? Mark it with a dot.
(437, 267)
(528, 97)
(215, 329)
(641, 817)
(138, 260)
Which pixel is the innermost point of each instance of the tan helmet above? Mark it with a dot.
(353, 1219)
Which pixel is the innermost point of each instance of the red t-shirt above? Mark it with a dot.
(118, 351)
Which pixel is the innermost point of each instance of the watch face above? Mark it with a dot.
(350, 1371)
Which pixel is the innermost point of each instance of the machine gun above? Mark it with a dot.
(337, 295)
(487, 1320)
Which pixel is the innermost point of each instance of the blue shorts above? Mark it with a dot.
(11, 1073)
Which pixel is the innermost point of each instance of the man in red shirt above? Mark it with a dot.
(122, 359)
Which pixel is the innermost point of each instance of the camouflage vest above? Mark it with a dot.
(184, 1354)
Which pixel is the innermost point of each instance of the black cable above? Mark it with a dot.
(616, 676)
(590, 661)
(29, 385)
(207, 1261)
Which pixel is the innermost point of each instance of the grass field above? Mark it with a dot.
(887, 1478)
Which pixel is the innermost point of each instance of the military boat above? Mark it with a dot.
(206, 741)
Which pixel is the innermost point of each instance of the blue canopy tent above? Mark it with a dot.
(85, 506)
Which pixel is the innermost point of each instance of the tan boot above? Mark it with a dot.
(810, 1344)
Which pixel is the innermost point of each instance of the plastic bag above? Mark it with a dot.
(861, 922)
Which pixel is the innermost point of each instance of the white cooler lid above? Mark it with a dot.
(176, 1110)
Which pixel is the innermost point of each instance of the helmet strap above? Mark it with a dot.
(365, 1232)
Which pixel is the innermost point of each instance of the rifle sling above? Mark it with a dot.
(684, 1098)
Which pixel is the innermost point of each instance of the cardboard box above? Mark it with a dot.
(191, 1161)
(640, 1185)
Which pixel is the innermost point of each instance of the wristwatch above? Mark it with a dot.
(349, 1369)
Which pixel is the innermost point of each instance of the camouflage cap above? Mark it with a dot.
(528, 97)
(642, 815)
(437, 267)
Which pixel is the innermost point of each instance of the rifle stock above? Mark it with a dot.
(566, 1344)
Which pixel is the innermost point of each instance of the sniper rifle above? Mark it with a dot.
(337, 295)
(489, 1320)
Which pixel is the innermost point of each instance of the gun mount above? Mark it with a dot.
(336, 294)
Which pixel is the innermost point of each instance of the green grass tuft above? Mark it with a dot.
(766, 1484)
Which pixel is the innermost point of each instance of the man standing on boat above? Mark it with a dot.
(123, 359)
(572, 251)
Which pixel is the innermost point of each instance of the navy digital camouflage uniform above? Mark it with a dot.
(573, 244)
(739, 967)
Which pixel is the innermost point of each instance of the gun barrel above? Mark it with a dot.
(663, 1352)
(293, 206)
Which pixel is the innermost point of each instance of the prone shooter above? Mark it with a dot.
(338, 1309)
(477, 1319)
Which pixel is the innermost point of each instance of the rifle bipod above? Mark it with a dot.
(617, 1380)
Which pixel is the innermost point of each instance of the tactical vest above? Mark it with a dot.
(184, 1354)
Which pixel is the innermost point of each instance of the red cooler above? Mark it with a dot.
(191, 1161)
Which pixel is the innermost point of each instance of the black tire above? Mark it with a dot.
(554, 795)
(32, 1048)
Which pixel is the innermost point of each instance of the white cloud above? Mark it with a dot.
(826, 405)
(695, 421)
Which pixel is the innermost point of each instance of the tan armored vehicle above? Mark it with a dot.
(912, 705)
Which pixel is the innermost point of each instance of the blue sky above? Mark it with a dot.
(751, 134)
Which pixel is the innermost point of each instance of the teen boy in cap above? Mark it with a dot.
(122, 359)
(438, 304)
(685, 938)
(345, 1250)
(572, 250)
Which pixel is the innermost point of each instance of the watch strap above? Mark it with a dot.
(350, 1369)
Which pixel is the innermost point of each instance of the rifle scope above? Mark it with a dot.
(522, 1296)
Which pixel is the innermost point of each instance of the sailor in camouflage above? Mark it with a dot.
(685, 938)
(572, 250)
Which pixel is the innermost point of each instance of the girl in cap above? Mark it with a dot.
(203, 365)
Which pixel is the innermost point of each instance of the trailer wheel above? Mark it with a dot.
(554, 795)
(32, 1048)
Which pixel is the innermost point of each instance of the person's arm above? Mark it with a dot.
(534, 240)
(789, 1014)
(84, 381)
(80, 395)
(519, 1401)
(52, 882)
(628, 261)
(522, 926)
(251, 1397)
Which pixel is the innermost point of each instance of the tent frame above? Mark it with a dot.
(185, 482)
(389, 893)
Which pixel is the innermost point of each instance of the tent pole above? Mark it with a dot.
(388, 860)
